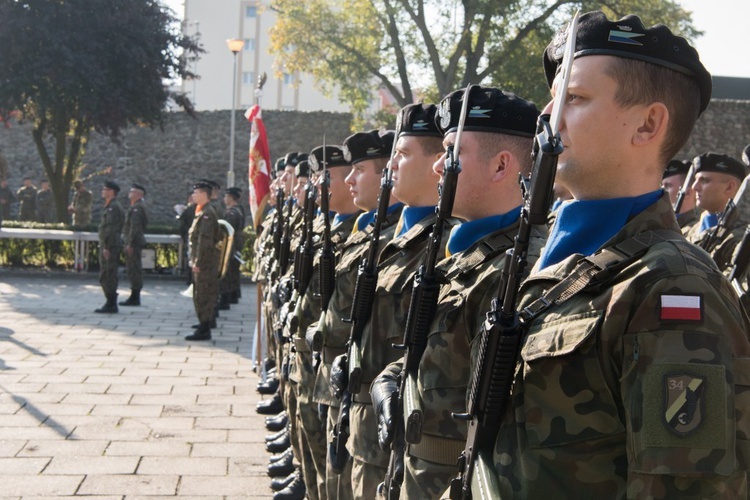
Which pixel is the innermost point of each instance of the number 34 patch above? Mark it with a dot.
(684, 406)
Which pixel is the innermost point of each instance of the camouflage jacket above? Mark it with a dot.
(26, 203)
(397, 264)
(633, 387)
(688, 220)
(110, 226)
(136, 220)
(82, 201)
(726, 240)
(45, 206)
(204, 235)
(263, 247)
(335, 331)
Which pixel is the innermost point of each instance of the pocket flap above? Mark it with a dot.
(560, 337)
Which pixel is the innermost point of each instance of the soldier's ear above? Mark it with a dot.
(501, 165)
(652, 125)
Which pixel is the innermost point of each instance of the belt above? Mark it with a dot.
(439, 450)
(363, 396)
(301, 345)
(331, 352)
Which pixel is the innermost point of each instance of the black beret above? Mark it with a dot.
(419, 120)
(233, 191)
(490, 110)
(302, 169)
(746, 155)
(202, 184)
(290, 160)
(112, 185)
(334, 158)
(278, 166)
(211, 183)
(676, 167)
(629, 38)
(139, 187)
(715, 162)
(368, 145)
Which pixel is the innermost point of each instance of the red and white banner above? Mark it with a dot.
(259, 165)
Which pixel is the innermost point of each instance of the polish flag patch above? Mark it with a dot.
(681, 308)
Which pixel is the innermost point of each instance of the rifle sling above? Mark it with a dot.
(436, 449)
(596, 269)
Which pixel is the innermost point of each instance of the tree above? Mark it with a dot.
(73, 66)
(418, 49)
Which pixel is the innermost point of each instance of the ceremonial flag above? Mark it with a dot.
(259, 163)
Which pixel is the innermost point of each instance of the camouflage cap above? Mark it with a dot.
(419, 120)
(676, 167)
(334, 157)
(490, 110)
(630, 39)
(368, 145)
(716, 162)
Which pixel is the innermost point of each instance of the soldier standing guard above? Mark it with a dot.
(45, 204)
(110, 244)
(204, 260)
(134, 231)
(230, 284)
(27, 201)
(80, 207)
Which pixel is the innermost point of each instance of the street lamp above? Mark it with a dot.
(235, 45)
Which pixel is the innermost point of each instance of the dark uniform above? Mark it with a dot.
(45, 206)
(229, 286)
(110, 239)
(134, 231)
(7, 198)
(26, 203)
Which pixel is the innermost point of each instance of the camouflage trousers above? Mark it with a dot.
(134, 268)
(290, 404)
(205, 293)
(366, 478)
(338, 486)
(108, 270)
(312, 431)
(423, 479)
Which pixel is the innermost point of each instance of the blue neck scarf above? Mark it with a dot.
(338, 218)
(467, 233)
(708, 221)
(410, 216)
(583, 226)
(366, 218)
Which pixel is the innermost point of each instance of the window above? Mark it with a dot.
(251, 11)
(249, 44)
(248, 78)
(288, 79)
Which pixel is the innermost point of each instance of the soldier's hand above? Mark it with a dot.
(339, 375)
(384, 393)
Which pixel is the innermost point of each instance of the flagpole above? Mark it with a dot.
(259, 344)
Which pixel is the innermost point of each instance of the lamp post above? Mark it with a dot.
(235, 45)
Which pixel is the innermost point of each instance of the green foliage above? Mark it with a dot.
(82, 65)
(433, 45)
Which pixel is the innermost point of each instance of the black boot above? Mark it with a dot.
(134, 299)
(279, 445)
(276, 435)
(270, 406)
(223, 302)
(234, 297)
(281, 456)
(203, 332)
(110, 306)
(211, 323)
(269, 386)
(283, 467)
(279, 483)
(295, 490)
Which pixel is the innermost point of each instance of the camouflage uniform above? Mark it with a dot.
(688, 220)
(397, 265)
(6, 201)
(472, 279)
(110, 229)
(204, 235)
(133, 233)
(231, 281)
(26, 203)
(82, 201)
(615, 395)
(45, 207)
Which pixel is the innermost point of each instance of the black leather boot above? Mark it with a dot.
(295, 490)
(269, 386)
(282, 468)
(277, 423)
(203, 332)
(111, 305)
(280, 444)
(223, 302)
(134, 299)
(279, 483)
(270, 406)
(234, 297)
(276, 435)
(280, 456)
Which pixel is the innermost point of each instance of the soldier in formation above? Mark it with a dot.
(134, 235)
(622, 343)
(110, 245)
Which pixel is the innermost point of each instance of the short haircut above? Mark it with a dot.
(490, 144)
(380, 164)
(639, 82)
(431, 145)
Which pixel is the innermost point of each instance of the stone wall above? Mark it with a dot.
(167, 161)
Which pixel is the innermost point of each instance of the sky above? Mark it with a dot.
(723, 22)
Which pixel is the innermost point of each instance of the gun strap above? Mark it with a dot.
(436, 449)
(486, 249)
(597, 268)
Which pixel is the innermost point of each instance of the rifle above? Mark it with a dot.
(364, 296)
(422, 307)
(740, 263)
(503, 329)
(278, 229)
(684, 188)
(287, 238)
(709, 240)
(304, 261)
(327, 267)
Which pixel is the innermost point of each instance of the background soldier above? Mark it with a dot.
(672, 181)
(230, 285)
(27, 201)
(7, 198)
(110, 244)
(80, 207)
(204, 260)
(45, 204)
(134, 232)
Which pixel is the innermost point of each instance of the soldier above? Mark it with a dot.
(672, 181)
(717, 180)
(230, 285)
(110, 244)
(7, 198)
(45, 204)
(204, 260)
(494, 149)
(415, 184)
(80, 207)
(134, 231)
(625, 381)
(27, 200)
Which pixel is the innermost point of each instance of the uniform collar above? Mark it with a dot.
(467, 233)
(410, 216)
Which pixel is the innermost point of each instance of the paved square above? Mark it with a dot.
(121, 406)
